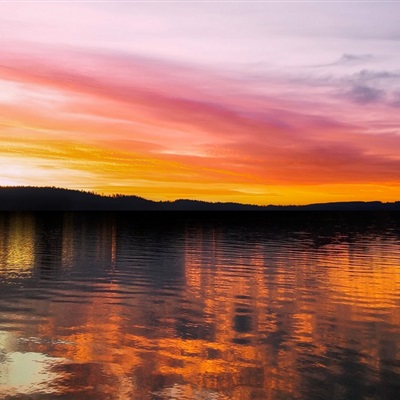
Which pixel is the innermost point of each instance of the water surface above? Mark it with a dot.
(195, 306)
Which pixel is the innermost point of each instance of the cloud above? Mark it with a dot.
(190, 123)
(370, 75)
(365, 94)
(370, 86)
(353, 59)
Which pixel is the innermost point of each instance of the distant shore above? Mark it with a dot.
(57, 199)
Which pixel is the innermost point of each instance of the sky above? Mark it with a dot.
(254, 102)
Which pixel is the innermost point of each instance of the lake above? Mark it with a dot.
(199, 306)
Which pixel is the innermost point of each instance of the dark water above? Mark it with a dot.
(270, 306)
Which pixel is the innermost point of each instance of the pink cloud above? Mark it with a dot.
(199, 118)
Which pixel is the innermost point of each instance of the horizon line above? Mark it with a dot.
(114, 195)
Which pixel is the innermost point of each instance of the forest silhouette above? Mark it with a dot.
(30, 198)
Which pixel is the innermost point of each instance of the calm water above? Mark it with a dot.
(123, 306)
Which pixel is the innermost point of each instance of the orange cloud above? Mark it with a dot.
(132, 125)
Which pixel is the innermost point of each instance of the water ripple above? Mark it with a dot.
(109, 306)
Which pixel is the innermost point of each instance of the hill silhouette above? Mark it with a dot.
(27, 198)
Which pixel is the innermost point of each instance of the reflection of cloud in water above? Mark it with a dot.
(27, 373)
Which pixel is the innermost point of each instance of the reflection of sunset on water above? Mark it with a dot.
(196, 310)
(16, 248)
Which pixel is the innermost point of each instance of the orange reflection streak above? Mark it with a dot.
(375, 288)
(17, 243)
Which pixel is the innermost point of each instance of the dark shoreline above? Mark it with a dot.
(56, 199)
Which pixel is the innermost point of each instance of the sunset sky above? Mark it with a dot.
(255, 102)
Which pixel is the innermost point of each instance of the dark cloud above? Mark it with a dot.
(353, 59)
(368, 75)
(363, 86)
(365, 94)
(369, 86)
(349, 60)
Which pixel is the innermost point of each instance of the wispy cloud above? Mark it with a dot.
(163, 109)
(351, 60)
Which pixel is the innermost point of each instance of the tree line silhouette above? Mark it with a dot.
(32, 198)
